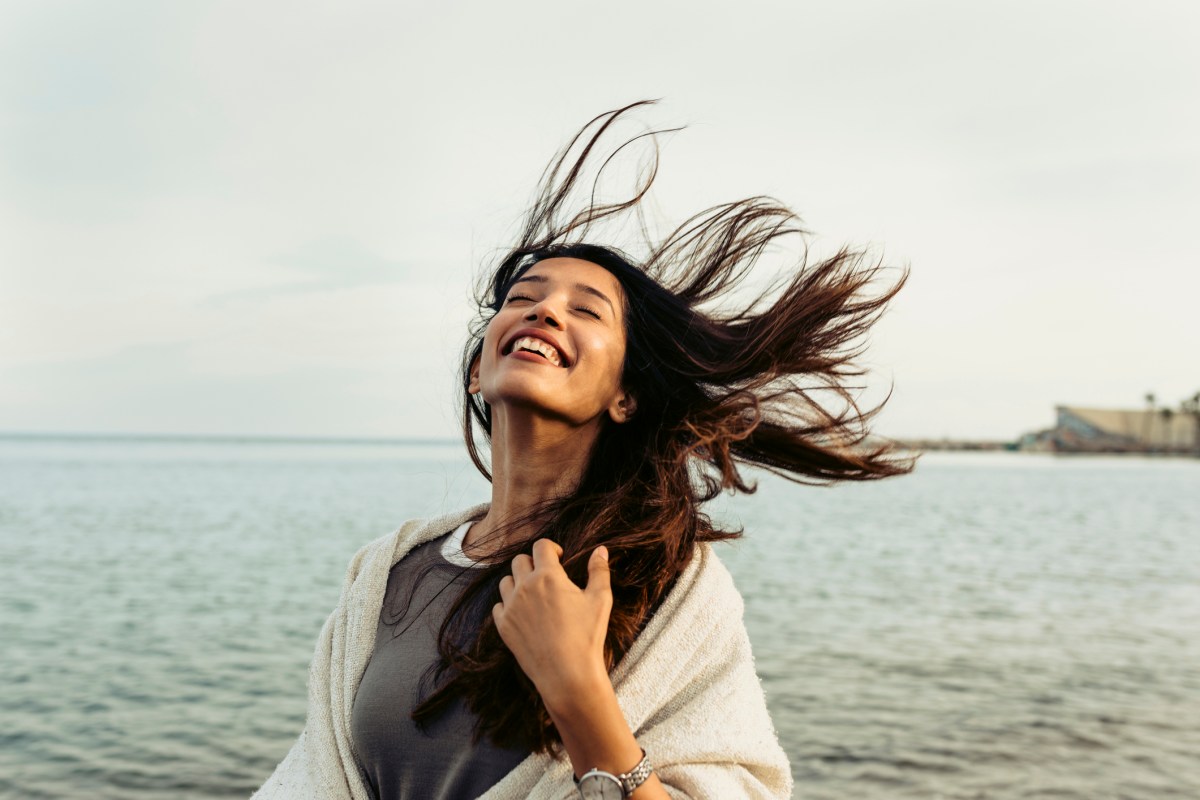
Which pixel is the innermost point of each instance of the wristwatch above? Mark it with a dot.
(596, 784)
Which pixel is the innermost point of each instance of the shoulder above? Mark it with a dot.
(704, 593)
(698, 623)
(395, 545)
(367, 572)
(713, 579)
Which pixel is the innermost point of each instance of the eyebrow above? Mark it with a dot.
(582, 287)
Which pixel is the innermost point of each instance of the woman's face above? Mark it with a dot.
(556, 347)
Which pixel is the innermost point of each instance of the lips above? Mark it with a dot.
(539, 342)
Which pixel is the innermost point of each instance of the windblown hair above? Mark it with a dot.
(716, 390)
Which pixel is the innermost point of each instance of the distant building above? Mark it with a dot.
(1110, 430)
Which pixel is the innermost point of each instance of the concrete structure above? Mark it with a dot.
(1105, 430)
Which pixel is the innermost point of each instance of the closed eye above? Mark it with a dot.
(513, 297)
(587, 310)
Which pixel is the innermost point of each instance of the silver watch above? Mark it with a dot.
(596, 784)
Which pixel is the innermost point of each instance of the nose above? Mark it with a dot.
(543, 311)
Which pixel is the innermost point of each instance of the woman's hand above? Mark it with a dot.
(555, 629)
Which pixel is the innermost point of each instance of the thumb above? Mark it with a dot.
(598, 580)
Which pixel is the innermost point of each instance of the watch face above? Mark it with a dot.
(600, 787)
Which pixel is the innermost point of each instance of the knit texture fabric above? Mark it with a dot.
(687, 687)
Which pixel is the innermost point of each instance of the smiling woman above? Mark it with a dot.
(577, 636)
(556, 345)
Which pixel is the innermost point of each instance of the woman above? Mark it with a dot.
(577, 636)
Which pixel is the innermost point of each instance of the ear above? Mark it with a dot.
(622, 408)
(473, 386)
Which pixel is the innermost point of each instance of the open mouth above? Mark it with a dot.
(538, 347)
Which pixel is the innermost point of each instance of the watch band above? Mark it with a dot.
(629, 781)
(636, 776)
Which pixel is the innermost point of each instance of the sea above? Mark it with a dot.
(993, 625)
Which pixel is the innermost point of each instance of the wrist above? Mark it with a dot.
(575, 693)
(599, 784)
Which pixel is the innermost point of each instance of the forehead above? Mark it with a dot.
(577, 273)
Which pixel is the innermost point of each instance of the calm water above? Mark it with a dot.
(991, 626)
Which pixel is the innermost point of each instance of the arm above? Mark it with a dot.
(556, 631)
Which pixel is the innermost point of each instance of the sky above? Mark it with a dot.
(266, 218)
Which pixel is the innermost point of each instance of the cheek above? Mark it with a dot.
(613, 356)
(491, 334)
(619, 369)
(487, 357)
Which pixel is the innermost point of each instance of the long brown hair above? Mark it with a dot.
(716, 390)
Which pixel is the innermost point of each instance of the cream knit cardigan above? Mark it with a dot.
(687, 687)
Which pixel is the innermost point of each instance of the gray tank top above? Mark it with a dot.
(401, 761)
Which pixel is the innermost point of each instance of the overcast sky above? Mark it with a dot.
(265, 217)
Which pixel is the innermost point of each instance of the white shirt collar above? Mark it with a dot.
(452, 547)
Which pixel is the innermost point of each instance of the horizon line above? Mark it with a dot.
(261, 438)
(227, 438)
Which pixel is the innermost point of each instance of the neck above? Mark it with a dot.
(534, 460)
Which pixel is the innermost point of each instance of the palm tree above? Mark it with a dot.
(1168, 434)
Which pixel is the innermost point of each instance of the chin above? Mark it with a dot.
(536, 404)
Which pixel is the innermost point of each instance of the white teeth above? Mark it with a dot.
(538, 346)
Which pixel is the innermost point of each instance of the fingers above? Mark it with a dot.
(546, 561)
(522, 566)
(546, 553)
(599, 580)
